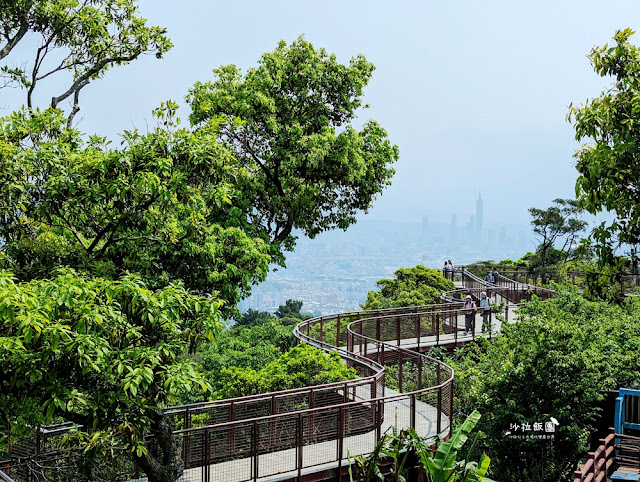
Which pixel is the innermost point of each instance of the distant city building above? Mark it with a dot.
(479, 217)
(454, 228)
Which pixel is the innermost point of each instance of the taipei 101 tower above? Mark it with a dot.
(479, 218)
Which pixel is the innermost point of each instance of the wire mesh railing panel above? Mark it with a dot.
(291, 403)
(360, 418)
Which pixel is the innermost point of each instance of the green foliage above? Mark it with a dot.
(609, 164)
(438, 459)
(557, 224)
(291, 309)
(301, 366)
(411, 287)
(91, 37)
(553, 363)
(160, 207)
(103, 354)
(288, 122)
(254, 317)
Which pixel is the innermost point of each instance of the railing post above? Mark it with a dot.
(399, 371)
(232, 435)
(340, 437)
(338, 331)
(439, 421)
(420, 373)
(272, 423)
(207, 454)
(299, 445)
(379, 402)
(412, 414)
(254, 449)
(397, 331)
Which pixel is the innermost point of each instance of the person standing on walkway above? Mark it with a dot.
(490, 279)
(486, 310)
(469, 314)
(447, 271)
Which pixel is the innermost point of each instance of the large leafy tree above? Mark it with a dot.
(289, 124)
(557, 229)
(410, 287)
(162, 206)
(77, 42)
(103, 354)
(609, 161)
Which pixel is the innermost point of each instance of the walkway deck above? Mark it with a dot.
(397, 415)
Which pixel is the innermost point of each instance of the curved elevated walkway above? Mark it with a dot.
(283, 435)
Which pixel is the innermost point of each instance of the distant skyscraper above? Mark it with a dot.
(479, 217)
(454, 228)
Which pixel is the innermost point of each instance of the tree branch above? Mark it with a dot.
(70, 227)
(83, 79)
(11, 42)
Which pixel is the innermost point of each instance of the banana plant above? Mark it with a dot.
(442, 465)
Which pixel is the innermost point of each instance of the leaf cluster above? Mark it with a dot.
(555, 362)
(411, 287)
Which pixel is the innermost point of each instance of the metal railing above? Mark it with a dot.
(288, 432)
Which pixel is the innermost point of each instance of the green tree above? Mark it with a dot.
(301, 366)
(103, 354)
(162, 206)
(288, 123)
(411, 287)
(255, 317)
(608, 162)
(78, 41)
(557, 224)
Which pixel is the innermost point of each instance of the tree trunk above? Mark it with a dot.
(172, 465)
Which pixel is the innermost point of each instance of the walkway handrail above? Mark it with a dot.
(246, 428)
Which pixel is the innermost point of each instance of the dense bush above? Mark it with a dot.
(411, 287)
(555, 362)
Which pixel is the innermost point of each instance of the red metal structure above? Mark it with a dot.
(295, 432)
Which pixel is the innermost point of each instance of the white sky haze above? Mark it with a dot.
(475, 94)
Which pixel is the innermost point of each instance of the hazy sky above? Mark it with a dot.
(474, 93)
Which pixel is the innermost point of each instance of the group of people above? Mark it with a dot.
(447, 270)
(470, 306)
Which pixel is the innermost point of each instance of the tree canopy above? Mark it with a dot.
(161, 206)
(289, 125)
(411, 287)
(608, 162)
(557, 229)
(77, 40)
(103, 354)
